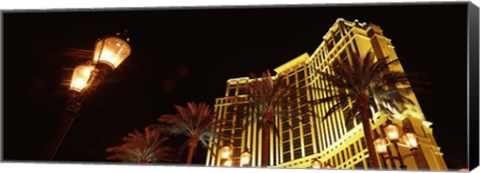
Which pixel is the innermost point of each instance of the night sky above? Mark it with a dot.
(181, 55)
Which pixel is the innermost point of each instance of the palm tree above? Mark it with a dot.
(267, 95)
(364, 79)
(196, 121)
(142, 148)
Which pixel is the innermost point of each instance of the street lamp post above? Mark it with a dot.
(109, 53)
(393, 135)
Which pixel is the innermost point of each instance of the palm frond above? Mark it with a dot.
(146, 147)
(196, 121)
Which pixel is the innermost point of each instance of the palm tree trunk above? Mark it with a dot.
(191, 149)
(266, 139)
(364, 113)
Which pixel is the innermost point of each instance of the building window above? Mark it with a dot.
(300, 74)
(337, 36)
(231, 91)
(307, 139)
(330, 45)
(286, 146)
(242, 90)
(340, 157)
(286, 157)
(297, 153)
(286, 135)
(306, 129)
(238, 131)
(349, 123)
(237, 141)
(309, 150)
(363, 143)
(296, 132)
(295, 121)
(296, 143)
(343, 55)
(352, 149)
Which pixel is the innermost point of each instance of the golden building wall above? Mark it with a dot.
(305, 136)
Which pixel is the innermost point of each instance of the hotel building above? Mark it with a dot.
(300, 139)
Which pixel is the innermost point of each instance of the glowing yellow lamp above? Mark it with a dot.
(328, 166)
(391, 130)
(111, 51)
(80, 77)
(316, 164)
(245, 158)
(380, 145)
(225, 152)
(410, 140)
(228, 162)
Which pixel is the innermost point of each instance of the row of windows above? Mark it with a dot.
(348, 156)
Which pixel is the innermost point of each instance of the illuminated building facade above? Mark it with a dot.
(335, 141)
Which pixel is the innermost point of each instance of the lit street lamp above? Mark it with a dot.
(392, 132)
(327, 165)
(380, 145)
(411, 141)
(109, 53)
(228, 162)
(225, 152)
(245, 158)
(316, 164)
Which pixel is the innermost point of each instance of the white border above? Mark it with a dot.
(89, 4)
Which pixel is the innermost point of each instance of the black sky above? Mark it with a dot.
(213, 44)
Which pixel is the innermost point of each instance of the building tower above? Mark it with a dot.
(305, 137)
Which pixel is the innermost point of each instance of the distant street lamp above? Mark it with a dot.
(327, 165)
(245, 158)
(316, 164)
(109, 53)
(228, 162)
(225, 152)
(392, 132)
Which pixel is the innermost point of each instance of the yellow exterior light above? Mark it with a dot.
(228, 162)
(328, 166)
(410, 140)
(380, 145)
(245, 158)
(316, 164)
(225, 152)
(80, 77)
(111, 51)
(391, 130)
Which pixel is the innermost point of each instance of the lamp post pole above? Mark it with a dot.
(400, 159)
(109, 52)
(70, 113)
